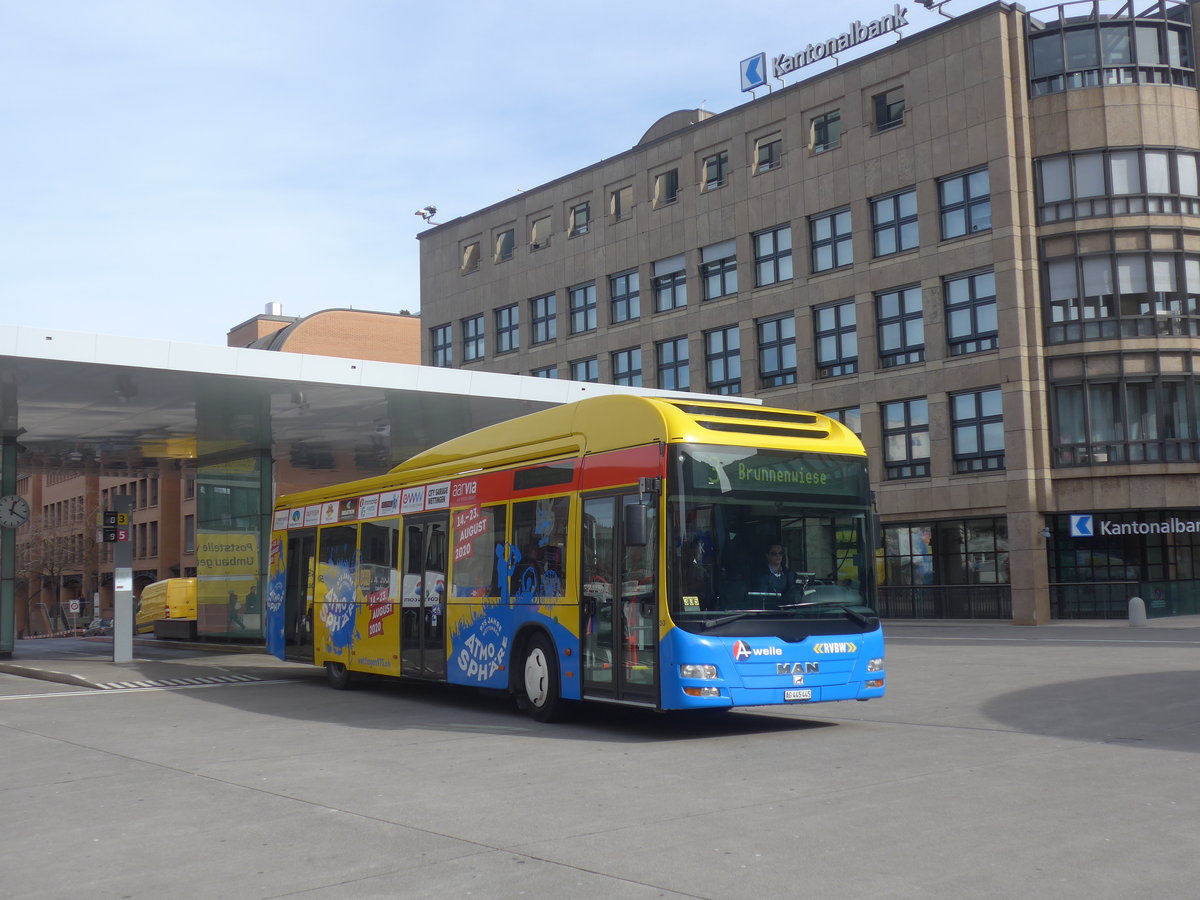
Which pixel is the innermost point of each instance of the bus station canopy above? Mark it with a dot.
(119, 403)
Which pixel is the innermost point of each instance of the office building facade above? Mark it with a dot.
(979, 246)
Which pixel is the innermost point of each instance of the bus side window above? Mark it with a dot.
(540, 535)
(476, 571)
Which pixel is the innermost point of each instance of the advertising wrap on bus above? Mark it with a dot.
(596, 551)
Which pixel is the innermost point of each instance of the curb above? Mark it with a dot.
(48, 675)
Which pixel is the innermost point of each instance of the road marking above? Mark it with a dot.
(178, 682)
(111, 691)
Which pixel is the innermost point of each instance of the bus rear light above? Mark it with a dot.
(875, 683)
(702, 691)
(875, 665)
(704, 672)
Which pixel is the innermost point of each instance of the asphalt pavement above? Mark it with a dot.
(1061, 761)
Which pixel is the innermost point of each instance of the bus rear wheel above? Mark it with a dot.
(541, 680)
(337, 675)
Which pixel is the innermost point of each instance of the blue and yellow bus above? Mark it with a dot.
(608, 550)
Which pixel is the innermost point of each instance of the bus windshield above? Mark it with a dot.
(767, 534)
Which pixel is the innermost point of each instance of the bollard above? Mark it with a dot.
(1137, 612)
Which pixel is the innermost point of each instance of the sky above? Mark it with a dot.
(169, 167)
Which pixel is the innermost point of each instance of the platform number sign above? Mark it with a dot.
(114, 527)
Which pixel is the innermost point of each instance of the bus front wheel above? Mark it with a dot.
(541, 680)
(338, 675)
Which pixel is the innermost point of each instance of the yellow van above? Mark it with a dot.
(168, 608)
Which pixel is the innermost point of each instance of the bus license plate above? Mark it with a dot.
(797, 695)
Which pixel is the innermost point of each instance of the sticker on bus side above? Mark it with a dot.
(437, 496)
(389, 503)
(368, 506)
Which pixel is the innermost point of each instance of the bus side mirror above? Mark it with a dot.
(635, 525)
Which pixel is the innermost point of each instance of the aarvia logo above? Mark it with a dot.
(743, 651)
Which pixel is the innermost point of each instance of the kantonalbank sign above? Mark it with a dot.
(1088, 525)
(753, 69)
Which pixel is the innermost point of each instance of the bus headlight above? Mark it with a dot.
(875, 665)
(708, 673)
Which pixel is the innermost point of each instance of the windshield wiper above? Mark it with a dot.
(733, 617)
(848, 610)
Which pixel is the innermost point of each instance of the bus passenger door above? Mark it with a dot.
(423, 597)
(298, 595)
(619, 604)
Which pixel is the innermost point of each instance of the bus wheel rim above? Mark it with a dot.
(537, 677)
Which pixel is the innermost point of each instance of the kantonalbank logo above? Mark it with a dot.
(743, 651)
(836, 647)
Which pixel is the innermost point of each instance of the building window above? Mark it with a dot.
(768, 152)
(947, 552)
(545, 372)
(715, 171)
(966, 203)
(831, 239)
(836, 339)
(472, 337)
(441, 341)
(777, 351)
(906, 438)
(971, 313)
(723, 360)
(624, 299)
(153, 550)
(825, 131)
(1111, 421)
(627, 367)
(1145, 48)
(508, 329)
(718, 269)
(894, 222)
(189, 483)
(581, 218)
(189, 534)
(582, 303)
(539, 233)
(670, 283)
(977, 423)
(1109, 295)
(504, 245)
(850, 416)
(773, 256)
(900, 326)
(470, 258)
(672, 361)
(666, 187)
(889, 109)
(542, 321)
(585, 370)
(1118, 183)
(620, 204)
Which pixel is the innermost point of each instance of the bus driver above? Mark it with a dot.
(774, 577)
